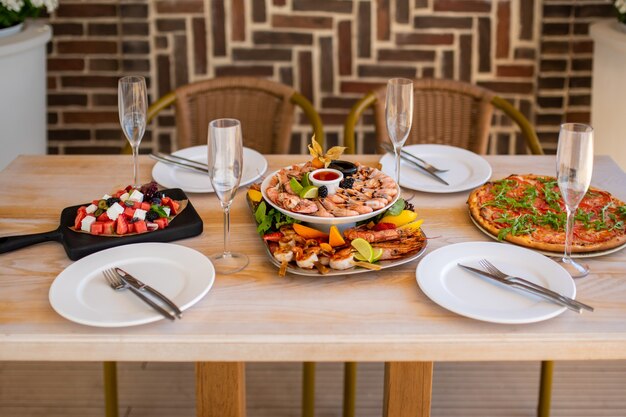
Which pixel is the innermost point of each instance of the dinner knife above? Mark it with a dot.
(406, 157)
(180, 164)
(523, 287)
(135, 283)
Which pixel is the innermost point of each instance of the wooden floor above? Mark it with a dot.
(166, 389)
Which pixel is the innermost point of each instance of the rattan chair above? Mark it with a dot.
(451, 113)
(444, 112)
(265, 109)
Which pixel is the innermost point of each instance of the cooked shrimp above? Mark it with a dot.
(377, 203)
(305, 259)
(377, 235)
(321, 211)
(284, 256)
(336, 210)
(342, 259)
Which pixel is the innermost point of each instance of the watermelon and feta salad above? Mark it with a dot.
(128, 211)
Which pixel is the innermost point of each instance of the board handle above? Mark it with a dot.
(11, 243)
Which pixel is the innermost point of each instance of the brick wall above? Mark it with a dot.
(536, 53)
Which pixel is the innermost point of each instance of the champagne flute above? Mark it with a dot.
(574, 165)
(132, 102)
(225, 168)
(399, 115)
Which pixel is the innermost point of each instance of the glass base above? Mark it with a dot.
(575, 269)
(229, 263)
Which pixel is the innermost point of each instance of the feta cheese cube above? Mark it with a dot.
(167, 210)
(140, 214)
(91, 209)
(105, 197)
(124, 196)
(85, 224)
(136, 195)
(114, 211)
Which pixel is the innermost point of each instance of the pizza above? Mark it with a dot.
(528, 210)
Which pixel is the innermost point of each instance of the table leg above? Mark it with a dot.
(220, 389)
(408, 389)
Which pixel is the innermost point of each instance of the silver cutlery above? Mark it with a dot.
(495, 271)
(414, 161)
(118, 284)
(523, 287)
(181, 162)
(134, 282)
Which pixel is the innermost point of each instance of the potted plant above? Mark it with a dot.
(13, 13)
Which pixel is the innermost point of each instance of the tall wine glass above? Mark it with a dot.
(574, 165)
(399, 115)
(132, 103)
(225, 169)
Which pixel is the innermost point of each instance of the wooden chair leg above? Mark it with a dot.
(308, 389)
(349, 389)
(545, 389)
(220, 389)
(110, 389)
(408, 389)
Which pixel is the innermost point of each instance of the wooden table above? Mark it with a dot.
(257, 316)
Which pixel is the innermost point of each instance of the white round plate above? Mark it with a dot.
(169, 176)
(81, 294)
(466, 170)
(307, 218)
(467, 294)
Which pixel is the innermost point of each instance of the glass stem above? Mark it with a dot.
(226, 208)
(569, 234)
(135, 166)
(397, 150)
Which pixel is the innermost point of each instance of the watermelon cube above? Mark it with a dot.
(96, 228)
(79, 218)
(129, 212)
(121, 226)
(140, 226)
(162, 222)
(145, 206)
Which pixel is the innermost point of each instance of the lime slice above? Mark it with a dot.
(305, 180)
(359, 257)
(377, 253)
(295, 186)
(364, 248)
(308, 192)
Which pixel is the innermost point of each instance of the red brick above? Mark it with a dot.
(238, 20)
(503, 31)
(92, 9)
(90, 81)
(87, 47)
(383, 20)
(478, 6)
(254, 70)
(337, 6)
(508, 87)
(358, 86)
(345, 48)
(282, 38)
(180, 6)
(301, 21)
(424, 39)
(65, 64)
(515, 71)
(91, 117)
(417, 55)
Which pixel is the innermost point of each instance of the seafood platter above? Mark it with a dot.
(333, 217)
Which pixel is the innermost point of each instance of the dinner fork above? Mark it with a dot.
(491, 268)
(117, 284)
(427, 166)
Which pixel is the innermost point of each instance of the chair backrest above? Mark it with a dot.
(265, 109)
(444, 112)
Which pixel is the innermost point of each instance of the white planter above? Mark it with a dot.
(608, 98)
(23, 119)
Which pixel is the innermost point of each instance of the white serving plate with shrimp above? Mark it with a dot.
(353, 270)
(374, 194)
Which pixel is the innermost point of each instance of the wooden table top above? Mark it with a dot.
(255, 315)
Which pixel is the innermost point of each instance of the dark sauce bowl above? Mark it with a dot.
(347, 168)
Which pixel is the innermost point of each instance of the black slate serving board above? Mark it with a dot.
(77, 245)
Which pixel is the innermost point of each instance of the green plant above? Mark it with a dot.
(13, 12)
(620, 7)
